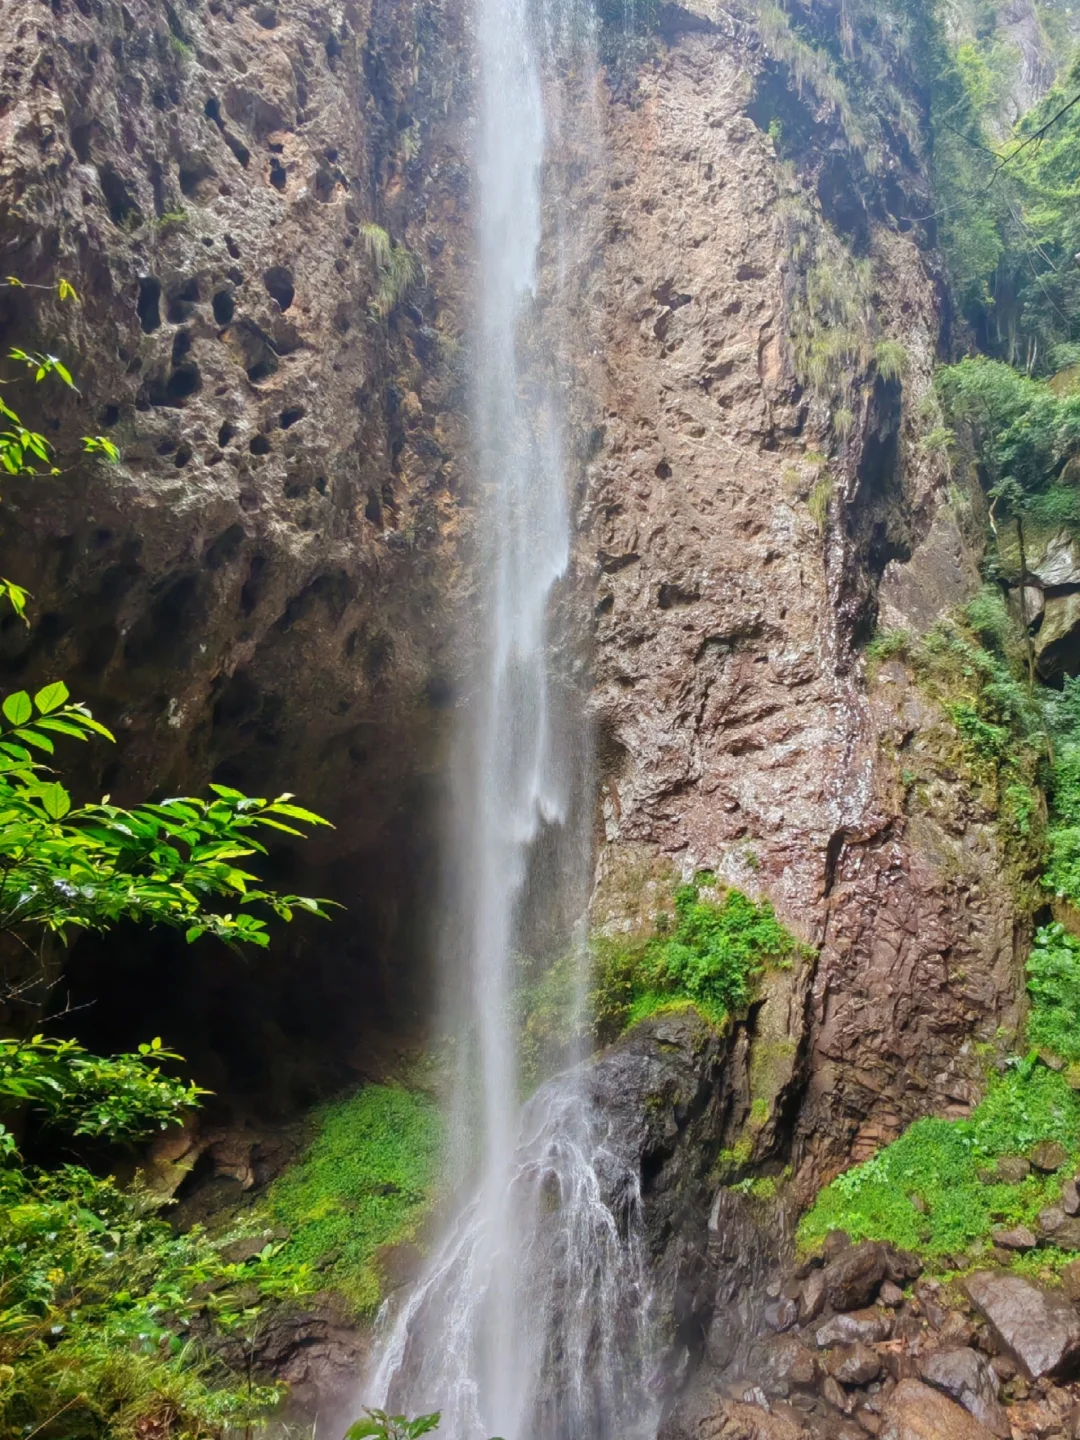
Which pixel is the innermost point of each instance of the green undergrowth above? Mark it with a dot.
(708, 951)
(365, 1183)
(924, 1191)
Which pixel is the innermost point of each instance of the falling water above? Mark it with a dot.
(531, 1321)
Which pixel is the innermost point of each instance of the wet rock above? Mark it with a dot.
(1021, 1238)
(853, 1279)
(812, 1297)
(835, 1394)
(785, 1365)
(967, 1377)
(1048, 1156)
(1070, 1198)
(868, 1326)
(853, 1364)
(781, 1315)
(1039, 1328)
(919, 1412)
(891, 1294)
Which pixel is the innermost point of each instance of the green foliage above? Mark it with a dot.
(65, 867)
(365, 1183)
(924, 1191)
(99, 1306)
(1062, 875)
(1023, 432)
(1053, 972)
(378, 1425)
(709, 954)
(397, 269)
(123, 1097)
(818, 502)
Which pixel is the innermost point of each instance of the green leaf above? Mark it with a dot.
(17, 708)
(51, 697)
(56, 800)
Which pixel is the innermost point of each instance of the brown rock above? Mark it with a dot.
(853, 1279)
(869, 1326)
(835, 1243)
(1070, 1198)
(1020, 1238)
(835, 1394)
(1039, 1328)
(1012, 1169)
(788, 1365)
(919, 1412)
(968, 1378)
(1070, 1280)
(781, 1315)
(853, 1364)
(812, 1297)
(891, 1294)
(1048, 1156)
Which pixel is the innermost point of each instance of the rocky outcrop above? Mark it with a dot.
(261, 591)
(739, 542)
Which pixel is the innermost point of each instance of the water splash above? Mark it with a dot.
(532, 1319)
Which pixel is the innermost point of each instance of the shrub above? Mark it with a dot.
(1053, 971)
(709, 954)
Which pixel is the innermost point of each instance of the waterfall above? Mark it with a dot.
(532, 1318)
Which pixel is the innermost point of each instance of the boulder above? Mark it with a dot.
(781, 1315)
(967, 1377)
(787, 1365)
(1039, 1328)
(1059, 564)
(1056, 1228)
(812, 1296)
(1070, 1280)
(1049, 1156)
(1020, 1238)
(1070, 1198)
(918, 1412)
(1012, 1169)
(853, 1364)
(854, 1278)
(869, 1326)
(891, 1294)
(1057, 645)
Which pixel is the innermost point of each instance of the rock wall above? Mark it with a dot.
(261, 592)
(736, 725)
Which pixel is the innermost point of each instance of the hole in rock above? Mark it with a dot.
(212, 111)
(224, 307)
(279, 284)
(181, 301)
(290, 416)
(259, 445)
(279, 176)
(226, 433)
(225, 548)
(184, 381)
(324, 186)
(232, 247)
(148, 304)
(267, 17)
(109, 416)
(118, 198)
(183, 455)
(243, 154)
(192, 175)
(251, 592)
(373, 509)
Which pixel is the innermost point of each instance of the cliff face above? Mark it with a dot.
(741, 547)
(261, 592)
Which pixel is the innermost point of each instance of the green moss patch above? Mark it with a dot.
(924, 1191)
(709, 951)
(366, 1182)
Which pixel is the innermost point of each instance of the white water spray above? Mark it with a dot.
(531, 1321)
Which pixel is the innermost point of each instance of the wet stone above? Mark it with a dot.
(868, 1326)
(1039, 1328)
(1020, 1238)
(853, 1364)
(854, 1278)
(919, 1412)
(967, 1377)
